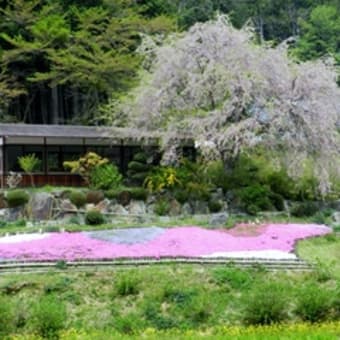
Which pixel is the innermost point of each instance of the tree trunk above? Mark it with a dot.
(55, 106)
(43, 104)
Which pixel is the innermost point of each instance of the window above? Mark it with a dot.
(12, 152)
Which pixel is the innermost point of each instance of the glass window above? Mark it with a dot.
(54, 163)
(12, 152)
(72, 153)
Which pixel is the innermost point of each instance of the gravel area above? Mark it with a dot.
(127, 236)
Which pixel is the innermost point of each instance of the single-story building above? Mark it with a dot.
(54, 144)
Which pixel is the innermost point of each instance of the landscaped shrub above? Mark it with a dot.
(255, 198)
(3, 224)
(304, 209)
(105, 177)
(265, 304)
(48, 316)
(94, 217)
(181, 195)
(140, 167)
(314, 303)
(19, 223)
(138, 194)
(162, 207)
(78, 198)
(124, 197)
(112, 193)
(94, 196)
(16, 198)
(214, 206)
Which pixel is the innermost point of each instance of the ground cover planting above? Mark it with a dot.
(170, 302)
(275, 239)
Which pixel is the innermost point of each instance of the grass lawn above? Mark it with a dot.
(322, 250)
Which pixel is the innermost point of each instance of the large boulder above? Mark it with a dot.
(137, 207)
(175, 208)
(187, 209)
(40, 206)
(3, 203)
(200, 207)
(218, 220)
(14, 214)
(104, 206)
(67, 206)
(118, 209)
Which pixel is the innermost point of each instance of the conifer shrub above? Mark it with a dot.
(214, 206)
(94, 196)
(78, 198)
(138, 194)
(94, 217)
(16, 198)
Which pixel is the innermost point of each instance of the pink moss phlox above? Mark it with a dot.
(181, 241)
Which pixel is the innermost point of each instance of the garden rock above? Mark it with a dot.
(217, 220)
(217, 195)
(175, 208)
(336, 217)
(3, 203)
(187, 209)
(66, 205)
(3, 214)
(13, 214)
(137, 208)
(89, 206)
(118, 209)
(200, 207)
(40, 206)
(104, 206)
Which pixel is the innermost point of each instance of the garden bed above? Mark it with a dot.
(264, 241)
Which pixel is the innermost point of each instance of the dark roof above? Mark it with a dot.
(64, 131)
(78, 131)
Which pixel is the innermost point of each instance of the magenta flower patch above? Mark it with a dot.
(173, 242)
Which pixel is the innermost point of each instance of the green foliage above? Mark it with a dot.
(265, 304)
(78, 198)
(48, 316)
(85, 165)
(162, 178)
(323, 217)
(94, 217)
(138, 194)
(112, 193)
(214, 206)
(6, 316)
(94, 196)
(105, 177)
(255, 198)
(162, 207)
(320, 33)
(16, 198)
(29, 163)
(304, 209)
(314, 304)
(126, 284)
(139, 167)
(233, 277)
(3, 224)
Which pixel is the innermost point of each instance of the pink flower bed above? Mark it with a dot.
(181, 241)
